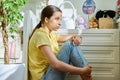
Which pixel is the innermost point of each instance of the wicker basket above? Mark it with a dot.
(105, 23)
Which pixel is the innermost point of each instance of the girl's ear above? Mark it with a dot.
(46, 20)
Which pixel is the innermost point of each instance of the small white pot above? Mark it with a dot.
(12, 71)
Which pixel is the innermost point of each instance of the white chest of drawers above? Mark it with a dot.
(101, 47)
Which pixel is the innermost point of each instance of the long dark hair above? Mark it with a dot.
(48, 11)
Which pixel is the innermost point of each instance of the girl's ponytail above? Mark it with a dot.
(37, 27)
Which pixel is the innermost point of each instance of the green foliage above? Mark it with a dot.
(10, 15)
(12, 11)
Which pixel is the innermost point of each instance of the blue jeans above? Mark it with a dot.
(69, 54)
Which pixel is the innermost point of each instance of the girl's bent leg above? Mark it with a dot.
(77, 58)
(53, 74)
(63, 55)
(72, 54)
(68, 54)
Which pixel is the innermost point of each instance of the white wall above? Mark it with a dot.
(100, 4)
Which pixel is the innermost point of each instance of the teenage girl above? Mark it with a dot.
(46, 60)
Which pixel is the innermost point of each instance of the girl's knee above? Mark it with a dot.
(69, 43)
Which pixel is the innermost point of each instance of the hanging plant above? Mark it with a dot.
(10, 15)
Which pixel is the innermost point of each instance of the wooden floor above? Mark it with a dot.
(73, 77)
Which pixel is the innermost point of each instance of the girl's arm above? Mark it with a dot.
(63, 38)
(59, 65)
(75, 38)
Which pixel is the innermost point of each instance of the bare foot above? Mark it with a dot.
(86, 77)
(86, 73)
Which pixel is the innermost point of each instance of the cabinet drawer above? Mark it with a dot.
(100, 37)
(101, 54)
(101, 72)
(104, 37)
(105, 71)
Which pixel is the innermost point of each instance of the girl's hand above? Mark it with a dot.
(76, 40)
(86, 70)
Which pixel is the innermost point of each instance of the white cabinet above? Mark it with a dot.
(101, 47)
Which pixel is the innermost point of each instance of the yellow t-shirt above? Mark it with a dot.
(36, 60)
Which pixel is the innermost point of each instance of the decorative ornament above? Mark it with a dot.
(81, 23)
(88, 7)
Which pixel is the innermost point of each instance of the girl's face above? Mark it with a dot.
(55, 21)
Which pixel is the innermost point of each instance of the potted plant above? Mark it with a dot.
(10, 16)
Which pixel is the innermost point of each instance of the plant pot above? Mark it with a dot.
(12, 71)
